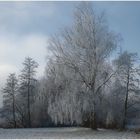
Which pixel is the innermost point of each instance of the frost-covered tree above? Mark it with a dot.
(40, 115)
(61, 93)
(9, 103)
(84, 48)
(128, 75)
(27, 84)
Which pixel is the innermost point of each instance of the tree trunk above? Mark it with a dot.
(126, 100)
(93, 117)
(28, 105)
(14, 116)
(93, 122)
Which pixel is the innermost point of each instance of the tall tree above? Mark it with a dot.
(10, 91)
(84, 48)
(128, 75)
(27, 83)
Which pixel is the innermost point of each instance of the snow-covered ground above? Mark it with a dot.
(72, 132)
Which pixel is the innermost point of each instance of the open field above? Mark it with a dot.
(69, 133)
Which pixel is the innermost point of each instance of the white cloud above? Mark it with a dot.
(17, 15)
(13, 51)
(26, 9)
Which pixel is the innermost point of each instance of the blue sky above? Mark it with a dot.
(25, 28)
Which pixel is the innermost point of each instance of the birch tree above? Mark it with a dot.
(84, 48)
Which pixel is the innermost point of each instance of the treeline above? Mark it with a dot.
(83, 85)
(19, 96)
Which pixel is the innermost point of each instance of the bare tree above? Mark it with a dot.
(128, 74)
(27, 83)
(84, 48)
(10, 92)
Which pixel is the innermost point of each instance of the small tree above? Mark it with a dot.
(9, 103)
(128, 73)
(27, 83)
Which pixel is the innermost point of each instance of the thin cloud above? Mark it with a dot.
(14, 50)
(20, 16)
